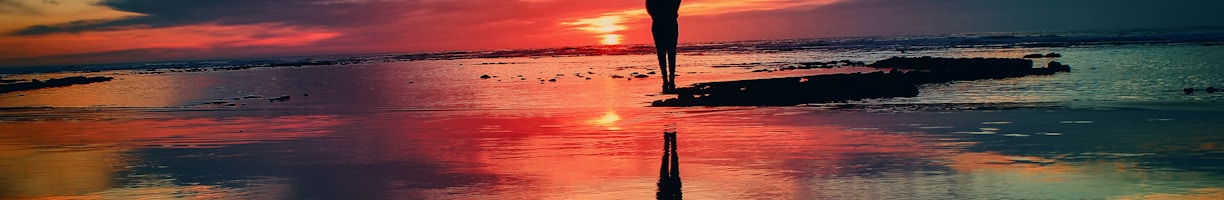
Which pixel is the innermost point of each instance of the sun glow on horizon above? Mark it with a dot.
(606, 26)
(610, 39)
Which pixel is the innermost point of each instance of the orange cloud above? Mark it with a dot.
(33, 13)
(602, 24)
(182, 37)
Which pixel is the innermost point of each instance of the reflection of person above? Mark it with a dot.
(665, 30)
(669, 175)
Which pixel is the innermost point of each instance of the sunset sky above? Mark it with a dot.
(48, 32)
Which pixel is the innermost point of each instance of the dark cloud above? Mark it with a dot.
(904, 17)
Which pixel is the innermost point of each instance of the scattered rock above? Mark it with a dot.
(281, 98)
(1048, 55)
(1058, 67)
(55, 82)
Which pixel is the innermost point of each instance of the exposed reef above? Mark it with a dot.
(901, 81)
(55, 82)
(1048, 55)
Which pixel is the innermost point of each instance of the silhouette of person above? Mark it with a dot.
(666, 30)
(669, 180)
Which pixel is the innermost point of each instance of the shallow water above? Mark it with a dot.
(756, 153)
(1117, 127)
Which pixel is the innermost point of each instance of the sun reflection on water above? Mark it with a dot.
(608, 120)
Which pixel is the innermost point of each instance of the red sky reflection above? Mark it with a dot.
(560, 152)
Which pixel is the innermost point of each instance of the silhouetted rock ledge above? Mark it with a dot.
(55, 82)
(845, 87)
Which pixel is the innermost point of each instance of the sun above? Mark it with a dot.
(610, 39)
(605, 28)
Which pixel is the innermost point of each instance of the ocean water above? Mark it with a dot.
(425, 126)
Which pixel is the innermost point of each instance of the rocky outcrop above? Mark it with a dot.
(55, 82)
(902, 81)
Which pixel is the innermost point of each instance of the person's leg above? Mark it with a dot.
(660, 35)
(673, 35)
(662, 54)
(671, 67)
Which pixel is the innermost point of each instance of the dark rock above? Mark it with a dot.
(552, 80)
(793, 90)
(1211, 90)
(2, 80)
(1048, 55)
(641, 76)
(281, 98)
(844, 87)
(1058, 67)
(55, 82)
(1188, 90)
(486, 76)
